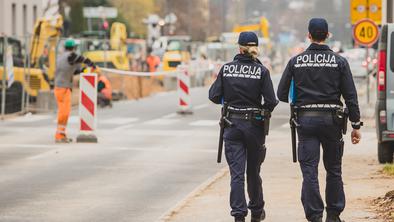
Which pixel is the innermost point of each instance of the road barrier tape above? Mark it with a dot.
(87, 107)
(131, 73)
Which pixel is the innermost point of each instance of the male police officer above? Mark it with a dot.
(320, 77)
(241, 84)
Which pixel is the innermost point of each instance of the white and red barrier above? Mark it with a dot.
(87, 108)
(183, 75)
(184, 90)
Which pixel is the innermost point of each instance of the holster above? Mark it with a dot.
(341, 117)
(262, 119)
(267, 117)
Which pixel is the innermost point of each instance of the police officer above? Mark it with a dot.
(319, 78)
(241, 84)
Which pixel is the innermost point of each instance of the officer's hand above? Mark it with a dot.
(356, 136)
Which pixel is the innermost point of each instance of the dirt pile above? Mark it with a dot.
(385, 206)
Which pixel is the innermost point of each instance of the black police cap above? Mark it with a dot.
(318, 25)
(248, 39)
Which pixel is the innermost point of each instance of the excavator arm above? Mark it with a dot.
(46, 33)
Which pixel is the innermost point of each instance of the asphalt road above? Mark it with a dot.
(148, 158)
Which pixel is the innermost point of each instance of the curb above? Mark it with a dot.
(196, 192)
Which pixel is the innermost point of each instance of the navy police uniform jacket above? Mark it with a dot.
(320, 77)
(242, 83)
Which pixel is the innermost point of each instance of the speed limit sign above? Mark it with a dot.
(366, 32)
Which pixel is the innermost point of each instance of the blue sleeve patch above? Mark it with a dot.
(292, 92)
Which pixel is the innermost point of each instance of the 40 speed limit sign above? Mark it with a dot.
(365, 32)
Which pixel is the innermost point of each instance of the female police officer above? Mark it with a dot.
(241, 84)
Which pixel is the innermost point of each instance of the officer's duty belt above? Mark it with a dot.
(244, 116)
(320, 106)
(310, 113)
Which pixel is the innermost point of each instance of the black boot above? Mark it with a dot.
(258, 218)
(333, 218)
(239, 219)
(317, 219)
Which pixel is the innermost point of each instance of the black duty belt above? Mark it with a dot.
(244, 116)
(311, 113)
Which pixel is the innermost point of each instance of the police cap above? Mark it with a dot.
(248, 39)
(318, 25)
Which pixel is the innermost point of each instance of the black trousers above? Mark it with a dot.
(245, 151)
(313, 132)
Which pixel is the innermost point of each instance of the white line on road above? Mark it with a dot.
(128, 126)
(30, 118)
(156, 149)
(204, 123)
(161, 122)
(202, 106)
(168, 116)
(118, 120)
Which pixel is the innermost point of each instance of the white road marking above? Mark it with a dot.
(118, 121)
(124, 127)
(161, 122)
(202, 106)
(155, 149)
(204, 123)
(30, 118)
(166, 133)
(168, 116)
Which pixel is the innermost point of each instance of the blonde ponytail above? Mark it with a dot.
(252, 51)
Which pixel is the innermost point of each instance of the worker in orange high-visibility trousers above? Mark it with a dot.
(153, 61)
(68, 64)
(104, 88)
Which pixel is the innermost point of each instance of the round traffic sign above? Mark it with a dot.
(365, 32)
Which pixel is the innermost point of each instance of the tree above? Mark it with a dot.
(134, 11)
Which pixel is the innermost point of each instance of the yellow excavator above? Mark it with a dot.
(112, 54)
(46, 34)
(260, 26)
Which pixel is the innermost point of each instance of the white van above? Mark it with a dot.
(385, 95)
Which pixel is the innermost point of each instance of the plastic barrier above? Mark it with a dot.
(87, 108)
(183, 90)
(183, 75)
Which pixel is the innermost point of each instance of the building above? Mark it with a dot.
(17, 17)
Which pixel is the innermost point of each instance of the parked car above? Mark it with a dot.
(384, 108)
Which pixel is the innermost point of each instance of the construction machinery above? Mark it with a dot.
(177, 51)
(27, 74)
(110, 53)
(258, 25)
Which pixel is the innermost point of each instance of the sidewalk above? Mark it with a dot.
(282, 185)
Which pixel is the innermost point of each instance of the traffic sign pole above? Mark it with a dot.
(368, 83)
(366, 33)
